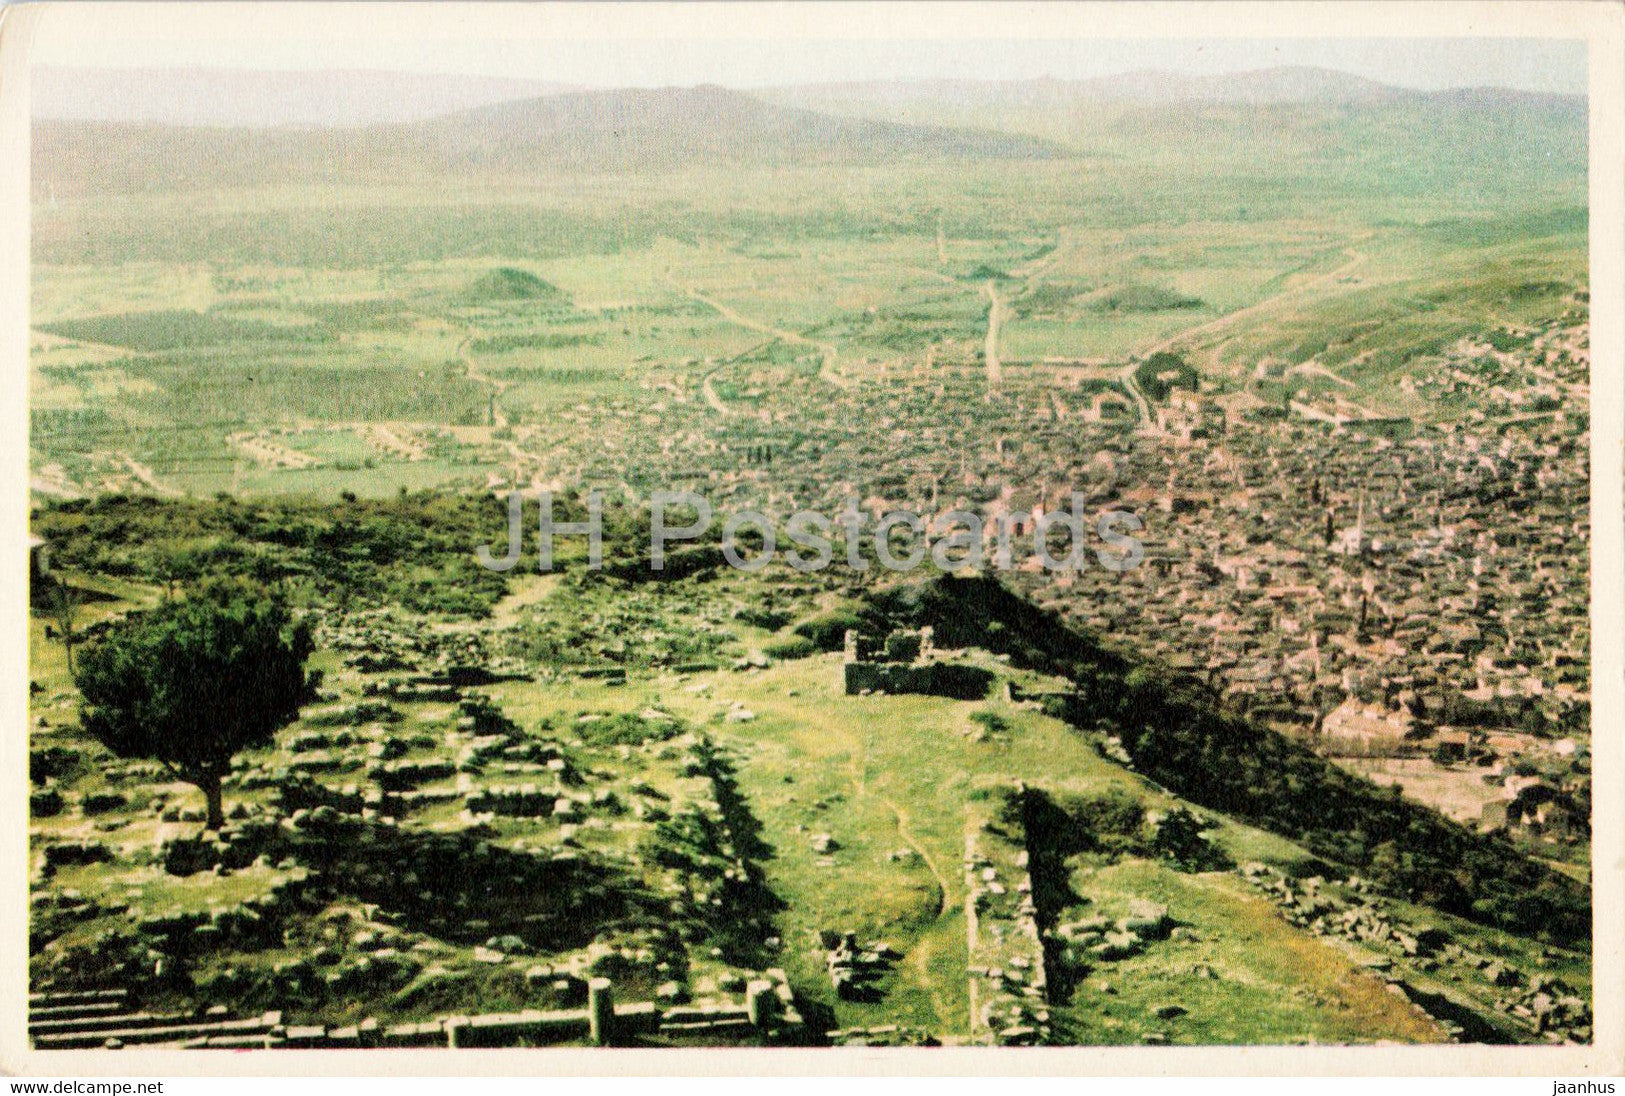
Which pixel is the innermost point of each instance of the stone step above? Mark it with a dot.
(38, 1014)
(703, 1014)
(126, 1021)
(729, 1023)
(230, 1042)
(63, 998)
(173, 1033)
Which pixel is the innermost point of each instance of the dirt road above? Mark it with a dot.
(499, 417)
(827, 369)
(990, 349)
(1355, 260)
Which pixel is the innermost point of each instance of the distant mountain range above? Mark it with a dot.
(1289, 115)
(1259, 87)
(671, 127)
(360, 97)
(569, 132)
(476, 127)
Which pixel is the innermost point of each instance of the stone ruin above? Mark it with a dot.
(1102, 939)
(906, 662)
(1540, 1003)
(1007, 964)
(110, 1019)
(854, 970)
(881, 1035)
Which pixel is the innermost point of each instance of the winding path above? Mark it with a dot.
(1126, 375)
(499, 417)
(990, 350)
(943, 901)
(1132, 386)
(712, 398)
(860, 784)
(826, 368)
(1355, 260)
(147, 478)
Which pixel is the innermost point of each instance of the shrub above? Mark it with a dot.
(828, 630)
(790, 647)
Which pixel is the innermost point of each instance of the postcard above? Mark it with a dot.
(911, 538)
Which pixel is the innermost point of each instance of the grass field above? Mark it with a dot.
(1242, 974)
(884, 775)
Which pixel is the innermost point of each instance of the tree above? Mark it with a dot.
(63, 605)
(176, 566)
(192, 682)
(1179, 836)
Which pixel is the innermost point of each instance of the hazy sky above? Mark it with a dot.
(748, 45)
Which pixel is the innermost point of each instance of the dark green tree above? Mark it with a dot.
(176, 567)
(63, 605)
(192, 682)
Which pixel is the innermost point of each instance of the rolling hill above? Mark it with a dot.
(1293, 116)
(580, 132)
(1286, 84)
(1313, 121)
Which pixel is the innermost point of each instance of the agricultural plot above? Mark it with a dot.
(454, 343)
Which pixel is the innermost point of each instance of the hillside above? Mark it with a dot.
(675, 772)
(1261, 86)
(131, 130)
(1312, 121)
(1286, 84)
(1173, 731)
(638, 129)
